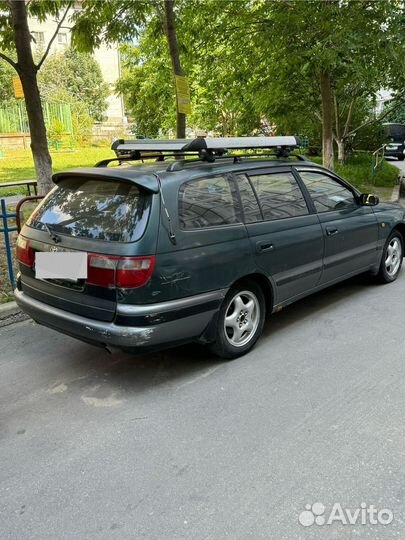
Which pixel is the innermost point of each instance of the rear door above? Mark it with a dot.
(92, 215)
(350, 231)
(285, 236)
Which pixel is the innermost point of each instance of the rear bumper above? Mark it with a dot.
(393, 153)
(181, 326)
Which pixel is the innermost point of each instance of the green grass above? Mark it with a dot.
(357, 171)
(18, 164)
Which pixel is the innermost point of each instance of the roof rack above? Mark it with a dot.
(205, 149)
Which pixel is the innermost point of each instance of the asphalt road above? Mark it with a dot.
(179, 445)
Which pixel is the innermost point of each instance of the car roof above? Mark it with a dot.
(148, 175)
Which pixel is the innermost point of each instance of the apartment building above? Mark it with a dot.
(107, 57)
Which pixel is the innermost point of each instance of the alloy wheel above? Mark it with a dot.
(393, 256)
(242, 318)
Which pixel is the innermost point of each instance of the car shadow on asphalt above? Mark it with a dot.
(137, 373)
(314, 305)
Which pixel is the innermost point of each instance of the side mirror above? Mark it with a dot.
(24, 209)
(368, 199)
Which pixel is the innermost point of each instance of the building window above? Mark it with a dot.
(62, 39)
(38, 37)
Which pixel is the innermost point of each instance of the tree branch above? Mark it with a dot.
(381, 117)
(337, 121)
(54, 36)
(348, 119)
(11, 62)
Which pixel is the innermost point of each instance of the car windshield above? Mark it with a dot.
(95, 209)
(395, 132)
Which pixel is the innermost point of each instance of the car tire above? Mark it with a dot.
(240, 320)
(392, 257)
(401, 157)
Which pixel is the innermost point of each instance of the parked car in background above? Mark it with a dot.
(395, 136)
(197, 249)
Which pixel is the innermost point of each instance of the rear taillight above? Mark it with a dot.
(123, 272)
(101, 270)
(25, 254)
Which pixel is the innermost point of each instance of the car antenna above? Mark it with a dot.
(52, 234)
(172, 235)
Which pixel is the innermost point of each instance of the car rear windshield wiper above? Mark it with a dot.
(51, 233)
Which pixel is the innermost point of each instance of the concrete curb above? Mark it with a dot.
(395, 192)
(9, 309)
(401, 186)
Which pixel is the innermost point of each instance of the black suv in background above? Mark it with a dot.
(197, 246)
(395, 135)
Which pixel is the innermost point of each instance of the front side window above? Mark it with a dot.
(328, 194)
(207, 202)
(279, 195)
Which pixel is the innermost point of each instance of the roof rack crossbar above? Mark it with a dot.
(236, 158)
(216, 144)
(206, 149)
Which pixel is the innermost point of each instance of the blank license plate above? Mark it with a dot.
(62, 265)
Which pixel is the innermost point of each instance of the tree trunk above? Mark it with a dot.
(175, 58)
(27, 71)
(327, 120)
(341, 151)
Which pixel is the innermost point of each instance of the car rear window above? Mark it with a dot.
(95, 209)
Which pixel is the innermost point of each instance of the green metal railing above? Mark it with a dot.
(13, 119)
(377, 159)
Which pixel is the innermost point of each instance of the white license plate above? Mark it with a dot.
(61, 265)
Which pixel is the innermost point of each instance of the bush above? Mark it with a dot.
(81, 124)
(56, 131)
(369, 137)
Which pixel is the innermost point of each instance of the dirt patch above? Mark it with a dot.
(11, 319)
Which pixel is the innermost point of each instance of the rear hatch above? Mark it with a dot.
(102, 217)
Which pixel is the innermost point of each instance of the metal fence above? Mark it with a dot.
(6, 230)
(14, 119)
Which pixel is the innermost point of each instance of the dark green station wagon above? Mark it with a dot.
(198, 245)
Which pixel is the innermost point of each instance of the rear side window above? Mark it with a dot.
(207, 202)
(94, 209)
(279, 195)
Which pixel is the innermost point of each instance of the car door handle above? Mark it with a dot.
(331, 231)
(264, 246)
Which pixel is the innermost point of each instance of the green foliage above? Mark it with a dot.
(56, 131)
(82, 123)
(6, 84)
(147, 85)
(370, 137)
(357, 171)
(79, 76)
(397, 111)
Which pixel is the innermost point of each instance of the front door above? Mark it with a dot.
(350, 230)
